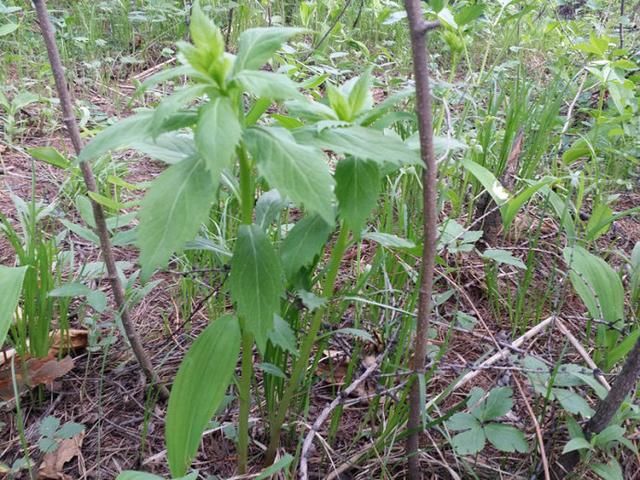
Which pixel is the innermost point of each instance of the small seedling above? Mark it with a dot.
(52, 433)
(477, 427)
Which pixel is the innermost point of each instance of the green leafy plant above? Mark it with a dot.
(479, 424)
(230, 132)
(39, 254)
(602, 292)
(11, 109)
(11, 279)
(52, 433)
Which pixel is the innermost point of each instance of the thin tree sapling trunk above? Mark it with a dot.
(418, 29)
(71, 124)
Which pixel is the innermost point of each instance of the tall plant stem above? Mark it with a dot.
(244, 394)
(305, 349)
(98, 214)
(244, 386)
(418, 29)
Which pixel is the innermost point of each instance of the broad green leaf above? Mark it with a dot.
(298, 171)
(468, 14)
(470, 442)
(357, 188)
(282, 336)
(217, 135)
(462, 421)
(256, 282)
(271, 369)
(10, 285)
(170, 147)
(623, 348)
(303, 243)
(72, 289)
(506, 438)
(97, 300)
(311, 300)
(503, 256)
(81, 231)
(257, 45)
(359, 94)
(310, 110)
(578, 443)
(204, 33)
(437, 5)
(83, 204)
(445, 16)
(388, 240)
(119, 135)
(51, 156)
(107, 202)
(572, 402)
(491, 184)
(339, 103)
(172, 211)
(8, 28)
(588, 378)
(268, 85)
(69, 430)
(613, 433)
(268, 207)
(48, 426)
(276, 467)
(599, 222)
(170, 105)
(361, 143)
(609, 471)
(133, 475)
(213, 356)
(598, 285)
(497, 404)
(47, 444)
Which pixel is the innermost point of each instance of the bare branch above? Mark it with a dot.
(339, 400)
(98, 214)
(418, 29)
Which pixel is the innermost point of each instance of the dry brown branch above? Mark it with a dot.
(536, 424)
(71, 124)
(418, 29)
(317, 425)
(493, 359)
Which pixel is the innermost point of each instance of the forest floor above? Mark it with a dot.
(106, 392)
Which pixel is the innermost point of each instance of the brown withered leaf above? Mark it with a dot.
(52, 465)
(72, 340)
(35, 371)
(333, 366)
(45, 371)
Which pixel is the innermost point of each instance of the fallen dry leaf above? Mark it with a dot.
(73, 340)
(52, 465)
(35, 371)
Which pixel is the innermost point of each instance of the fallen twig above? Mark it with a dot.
(543, 454)
(339, 400)
(583, 353)
(493, 359)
